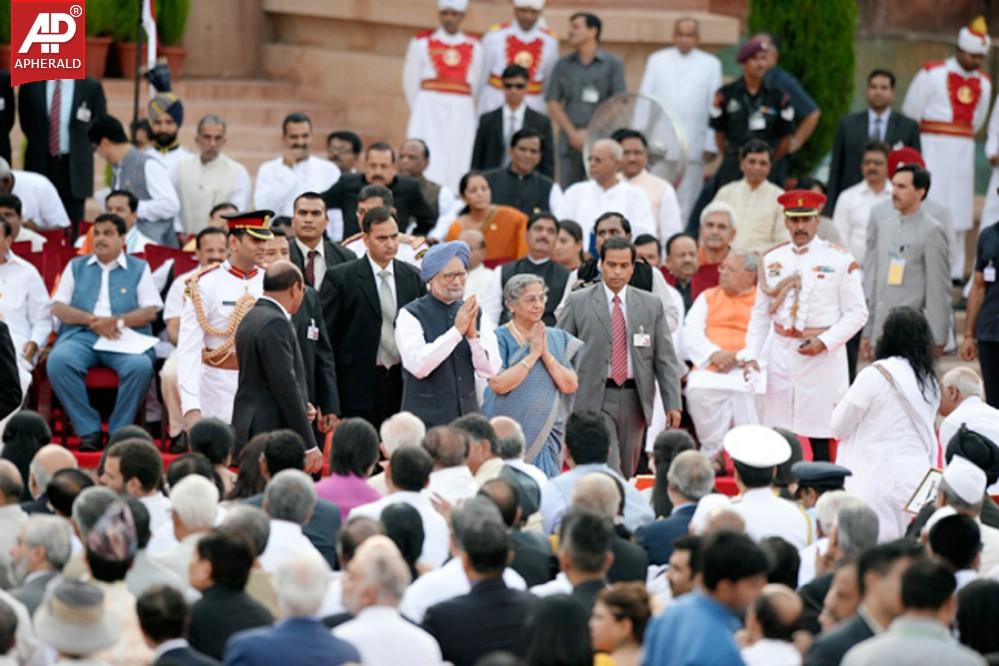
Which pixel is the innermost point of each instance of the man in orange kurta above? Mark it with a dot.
(714, 331)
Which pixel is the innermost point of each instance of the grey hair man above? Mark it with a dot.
(402, 429)
(373, 586)
(194, 505)
(12, 517)
(962, 403)
(47, 461)
(205, 179)
(289, 499)
(826, 514)
(43, 547)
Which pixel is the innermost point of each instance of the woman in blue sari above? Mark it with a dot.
(538, 382)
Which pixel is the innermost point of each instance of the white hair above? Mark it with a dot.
(384, 569)
(301, 582)
(402, 429)
(54, 534)
(616, 150)
(718, 207)
(290, 495)
(195, 502)
(967, 382)
(829, 504)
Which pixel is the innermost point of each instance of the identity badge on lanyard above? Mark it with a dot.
(896, 268)
(757, 122)
(642, 339)
(989, 273)
(312, 333)
(590, 94)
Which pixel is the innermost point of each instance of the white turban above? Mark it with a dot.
(537, 5)
(975, 37)
(456, 5)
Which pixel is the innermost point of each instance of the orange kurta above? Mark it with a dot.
(505, 229)
(728, 318)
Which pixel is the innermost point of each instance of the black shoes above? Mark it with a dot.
(92, 442)
(179, 444)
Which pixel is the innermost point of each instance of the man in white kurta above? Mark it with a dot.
(440, 78)
(525, 42)
(605, 192)
(282, 179)
(809, 303)
(662, 196)
(25, 308)
(210, 178)
(40, 203)
(759, 219)
(684, 78)
(950, 99)
(854, 204)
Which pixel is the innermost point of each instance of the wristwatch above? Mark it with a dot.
(120, 323)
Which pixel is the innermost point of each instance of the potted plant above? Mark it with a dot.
(171, 20)
(124, 28)
(5, 35)
(98, 39)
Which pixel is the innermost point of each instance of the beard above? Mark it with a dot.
(163, 139)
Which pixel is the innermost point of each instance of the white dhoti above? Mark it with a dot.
(802, 390)
(690, 188)
(951, 161)
(718, 402)
(446, 123)
(218, 390)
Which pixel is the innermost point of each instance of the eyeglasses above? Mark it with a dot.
(514, 86)
(448, 277)
(531, 300)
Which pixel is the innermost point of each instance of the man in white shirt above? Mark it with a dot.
(289, 499)
(41, 206)
(24, 306)
(759, 218)
(10, 212)
(373, 585)
(98, 297)
(166, 115)
(210, 177)
(480, 277)
(193, 510)
(282, 179)
(853, 207)
(402, 429)
(451, 479)
(685, 78)
(134, 468)
(407, 474)
(586, 201)
(961, 404)
(662, 196)
(770, 622)
(125, 204)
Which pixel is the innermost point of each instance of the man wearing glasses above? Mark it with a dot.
(443, 341)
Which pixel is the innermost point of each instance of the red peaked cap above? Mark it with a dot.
(902, 156)
(801, 203)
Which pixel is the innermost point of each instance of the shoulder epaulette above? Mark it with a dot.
(933, 64)
(768, 251)
(985, 75)
(549, 31)
(203, 271)
(423, 33)
(836, 246)
(498, 26)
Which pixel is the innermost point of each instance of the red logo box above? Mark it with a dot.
(47, 40)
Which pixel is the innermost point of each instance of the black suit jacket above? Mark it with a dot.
(185, 656)
(489, 148)
(272, 389)
(334, 254)
(7, 113)
(354, 322)
(10, 380)
(534, 565)
(657, 537)
(220, 613)
(317, 354)
(832, 646)
(497, 613)
(631, 562)
(410, 206)
(38, 505)
(33, 114)
(813, 596)
(852, 134)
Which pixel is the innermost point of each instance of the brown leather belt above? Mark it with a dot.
(230, 362)
(795, 333)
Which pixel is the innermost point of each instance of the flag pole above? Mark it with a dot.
(138, 71)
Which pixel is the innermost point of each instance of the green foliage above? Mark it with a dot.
(4, 24)
(816, 45)
(171, 19)
(124, 19)
(100, 17)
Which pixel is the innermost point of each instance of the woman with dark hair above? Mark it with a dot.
(569, 245)
(249, 480)
(618, 622)
(783, 481)
(668, 444)
(978, 616)
(215, 439)
(504, 227)
(404, 526)
(353, 455)
(26, 432)
(557, 633)
(885, 422)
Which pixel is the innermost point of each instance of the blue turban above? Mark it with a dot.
(167, 103)
(439, 255)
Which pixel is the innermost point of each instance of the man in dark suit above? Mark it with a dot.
(59, 149)
(380, 169)
(878, 122)
(585, 554)
(535, 566)
(7, 112)
(493, 139)
(491, 616)
(163, 617)
(310, 250)
(10, 381)
(362, 327)
(272, 390)
(879, 573)
(691, 476)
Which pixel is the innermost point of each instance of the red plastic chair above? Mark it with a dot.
(54, 237)
(157, 255)
(22, 249)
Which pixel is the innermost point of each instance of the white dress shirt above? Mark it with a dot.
(319, 265)
(420, 358)
(853, 212)
(452, 483)
(979, 416)
(880, 127)
(146, 291)
(448, 582)
(375, 270)
(383, 637)
(277, 184)
(162, 203)
(436, 535)
(286, 540)
(24, 303)
(40, 202)
(770, 652)
(513, 120)
(158, 506)
(586, 201)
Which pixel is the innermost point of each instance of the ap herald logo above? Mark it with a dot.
(48, 40)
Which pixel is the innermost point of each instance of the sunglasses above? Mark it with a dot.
(514, 86)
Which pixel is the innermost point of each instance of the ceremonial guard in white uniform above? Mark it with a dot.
(950, 99)
(217, 299)
(440, 78)
(809, 303)
(525, 42)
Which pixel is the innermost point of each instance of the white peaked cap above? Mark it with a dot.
(456, 5)
(529, 4)
(966, 479)
(757, 446)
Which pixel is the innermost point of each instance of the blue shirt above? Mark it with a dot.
(801, 101)
(695, 631)
(637, 511)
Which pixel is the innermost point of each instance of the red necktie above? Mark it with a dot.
(310, 268)
(55, 113)
(619, 344)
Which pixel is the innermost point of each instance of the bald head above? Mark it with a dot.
(597, 493)
(447, 446)
(281, 276)
(724, 519)
(509, 436)
(378, 575)
(776, 614)
(47, 461)
(605, 157)
(11, 485)
(477, 244)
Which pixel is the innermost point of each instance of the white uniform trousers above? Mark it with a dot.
(170, 389)
(218, 390)
(802, 390)
(716, 411)
(446, 122)
(948, 159)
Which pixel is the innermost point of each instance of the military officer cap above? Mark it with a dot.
(756, 446)
(749, 49)
(802, 203)
(256, 223)
(822, 475)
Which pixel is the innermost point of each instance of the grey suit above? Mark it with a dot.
(924, 243)
(629, 411)
(32, 592)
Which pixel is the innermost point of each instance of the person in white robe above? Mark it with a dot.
(282, 179)
(210, 178)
